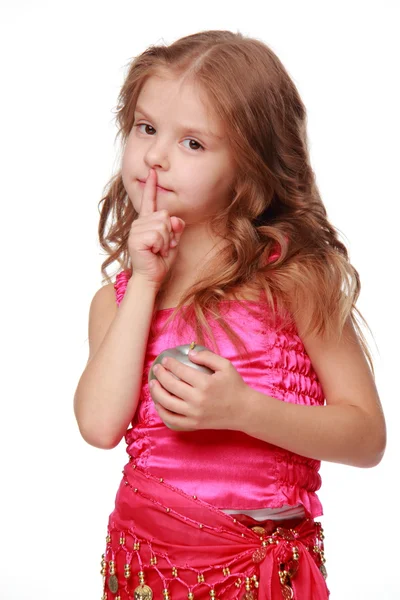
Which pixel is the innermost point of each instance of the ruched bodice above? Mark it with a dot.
(230, 469)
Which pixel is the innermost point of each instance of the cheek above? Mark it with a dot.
(124, 176)
(128, 160)
(129, 169)
(199, 181)
(125, 169)
(209, 188)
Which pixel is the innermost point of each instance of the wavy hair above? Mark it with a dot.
(275, 202)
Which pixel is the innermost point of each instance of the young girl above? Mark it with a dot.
(223, 240)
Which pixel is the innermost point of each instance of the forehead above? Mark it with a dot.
(178, 100)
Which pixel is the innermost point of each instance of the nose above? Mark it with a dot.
(156, 155)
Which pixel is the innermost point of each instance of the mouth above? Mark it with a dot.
(158, 187)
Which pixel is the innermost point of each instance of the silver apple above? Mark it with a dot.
(180, 353)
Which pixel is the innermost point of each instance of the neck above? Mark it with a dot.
(197, 245)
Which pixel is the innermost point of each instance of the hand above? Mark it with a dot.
(199, 400)
(154, 236)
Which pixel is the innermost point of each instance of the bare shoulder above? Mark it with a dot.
(342, 369)
(103, 309)
(340, 364)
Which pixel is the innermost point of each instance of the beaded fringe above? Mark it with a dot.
(128, 552)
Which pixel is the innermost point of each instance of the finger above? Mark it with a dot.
(189, 375)
(208, 359)
(159, 236)
(165, 228)
(171, 383)
(178, 225)
(171, 420)
(167, 400)
(154, 240)
(149, 197)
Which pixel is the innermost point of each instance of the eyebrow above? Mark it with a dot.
(187, 128)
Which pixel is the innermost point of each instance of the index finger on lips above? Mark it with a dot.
(148, 206)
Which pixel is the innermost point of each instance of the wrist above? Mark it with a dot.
(140, 281)
(142, 289)
(244, 400)
(250, 398)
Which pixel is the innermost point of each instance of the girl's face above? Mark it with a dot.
(187, 147)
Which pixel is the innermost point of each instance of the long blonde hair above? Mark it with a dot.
(275, 204)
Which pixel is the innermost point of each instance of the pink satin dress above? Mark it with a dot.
(229, 469)
(175, 531)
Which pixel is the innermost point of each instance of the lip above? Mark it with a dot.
(159, 187)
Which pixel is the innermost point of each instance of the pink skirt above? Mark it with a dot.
(164, 544)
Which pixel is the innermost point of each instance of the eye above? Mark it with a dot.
(145, 125)
(194, 141)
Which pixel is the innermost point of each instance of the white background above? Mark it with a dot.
(62, 65)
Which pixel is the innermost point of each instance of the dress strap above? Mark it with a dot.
(121, 281)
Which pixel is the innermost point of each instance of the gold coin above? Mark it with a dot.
(258, 530)
(259, 555)
(323, 571)
(249, 596)
(143, 592)
(287, 592)
(113, 583)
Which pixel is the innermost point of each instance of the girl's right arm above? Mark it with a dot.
(108, 391)
(109, 388)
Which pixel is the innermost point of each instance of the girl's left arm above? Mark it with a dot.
(350, 429)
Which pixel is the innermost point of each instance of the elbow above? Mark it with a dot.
(94, 432)
(97, 436)
(370, 448)
(93, 438)
(108, 443)
(99, 441)
(374, 455)
(370, 460)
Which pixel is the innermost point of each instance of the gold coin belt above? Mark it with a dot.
(142, 591)
(135, 586)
